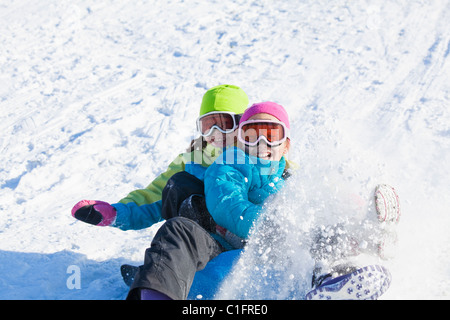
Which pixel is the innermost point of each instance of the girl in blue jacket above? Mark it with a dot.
(236, 186)
(239, 182)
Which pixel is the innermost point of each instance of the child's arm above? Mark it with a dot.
(226, 190)
(138, 210)
(142, 208)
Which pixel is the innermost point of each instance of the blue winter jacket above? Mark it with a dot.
(236, 186)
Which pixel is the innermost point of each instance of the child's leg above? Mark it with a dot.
(179, 249)
(179, 187)
(183, 196)
(194, 208)
(333, 245)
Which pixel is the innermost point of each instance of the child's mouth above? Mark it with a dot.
(264, 155)
(217, 141)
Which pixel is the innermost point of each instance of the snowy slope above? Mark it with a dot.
(98, 97)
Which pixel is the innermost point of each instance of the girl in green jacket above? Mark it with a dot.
(218, 120)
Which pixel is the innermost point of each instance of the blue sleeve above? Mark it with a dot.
(131, 216)
(226, 191)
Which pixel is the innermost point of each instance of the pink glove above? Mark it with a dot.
(94, 212)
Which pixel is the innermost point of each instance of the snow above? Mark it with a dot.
(98, 97)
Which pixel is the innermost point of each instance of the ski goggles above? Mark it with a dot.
(274, 133)
(225, 122)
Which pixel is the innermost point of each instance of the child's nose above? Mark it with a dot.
(262, 145)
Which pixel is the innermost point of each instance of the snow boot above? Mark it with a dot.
(367, 283)
(387, 206)
(128, 273)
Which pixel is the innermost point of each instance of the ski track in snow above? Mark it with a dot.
(97, 98)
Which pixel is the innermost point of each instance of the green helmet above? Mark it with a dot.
(225, 97)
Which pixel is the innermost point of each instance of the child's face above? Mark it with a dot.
(208, 125)
(221, 140)
(263, 150)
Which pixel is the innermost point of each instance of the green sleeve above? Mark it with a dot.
(152, 193)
